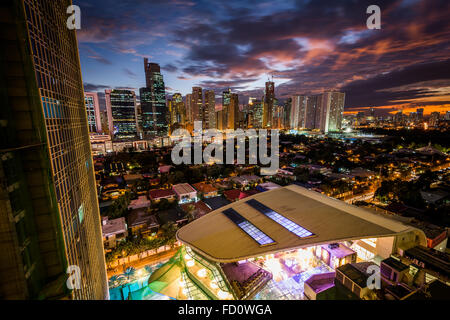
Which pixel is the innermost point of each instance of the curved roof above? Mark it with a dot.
(218, 238)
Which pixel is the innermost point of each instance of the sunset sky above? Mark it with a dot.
(307, 46)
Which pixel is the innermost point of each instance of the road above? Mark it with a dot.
(154, 259)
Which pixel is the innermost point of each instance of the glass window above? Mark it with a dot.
(278, 218)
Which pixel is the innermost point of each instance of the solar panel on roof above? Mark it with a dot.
(278, 218)
(260, 237)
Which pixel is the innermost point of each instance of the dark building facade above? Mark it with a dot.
(122, 113)
(153, 102)
(48, 202)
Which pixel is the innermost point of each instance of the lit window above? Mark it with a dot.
(248, 227)
(278, 218)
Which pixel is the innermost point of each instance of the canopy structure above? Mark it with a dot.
(292, 216)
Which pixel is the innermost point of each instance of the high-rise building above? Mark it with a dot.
(331, 111)
(419, 112)
(269, 96)
(230, 110)
(258, 114)
(121, 111)
(434, 119)
(154, 109)
(189, 109)
(210, 105)
(93, 111)
(48, 201)
(298, 112)
(197, 104)
(178, 110)
(312, 114)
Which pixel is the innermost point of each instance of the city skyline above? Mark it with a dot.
(401, 65)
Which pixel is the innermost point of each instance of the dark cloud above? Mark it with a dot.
(311, 45)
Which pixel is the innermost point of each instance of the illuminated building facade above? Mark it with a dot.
(93, 111)
(210, 106)
(154, 111)
(268, 245)
(298, 112)
(331, 111)
(50, 218)
(121, 111)
(269, 96)
(197, 104)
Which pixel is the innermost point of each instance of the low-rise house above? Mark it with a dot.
(185, 192)
(173, 215)
(141, 222)
(198, 209)
(113, 231)
(130, 179)
(205, 189)
(158, 194)
(234, 195)
(244, 180)
(140, 202)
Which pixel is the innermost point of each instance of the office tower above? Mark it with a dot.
(189, 109)
(287, 113)
(258, 114)
(210, 105)
(360, 117)
(298, 112)
(178, 109)
(121, 111)
(48, 201)
(330, 111)
(233, 112)
(434, 119)
(419, 112)
(154, 110)
(140, 132)
(371, 117)
(104, 121)
(269, 96)
(197, 104)
(93, 111)
(219, 120)
(447, 116)
(226, 101)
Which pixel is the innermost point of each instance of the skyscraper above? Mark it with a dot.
(154, 118)
(269, 96)
(210, 105)
(197, 104)
(258, 114)
(312, 114)
(189, 112)
(121, 111)
(50, 218)
(298, 112)
(331, 111)
(93, 111)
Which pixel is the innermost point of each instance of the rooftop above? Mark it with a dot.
(160, 193)
(204, 187)
(113, 226)
(395, 264)
(329, 220)
(183, 188)
(357, 272)
(140, 216)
